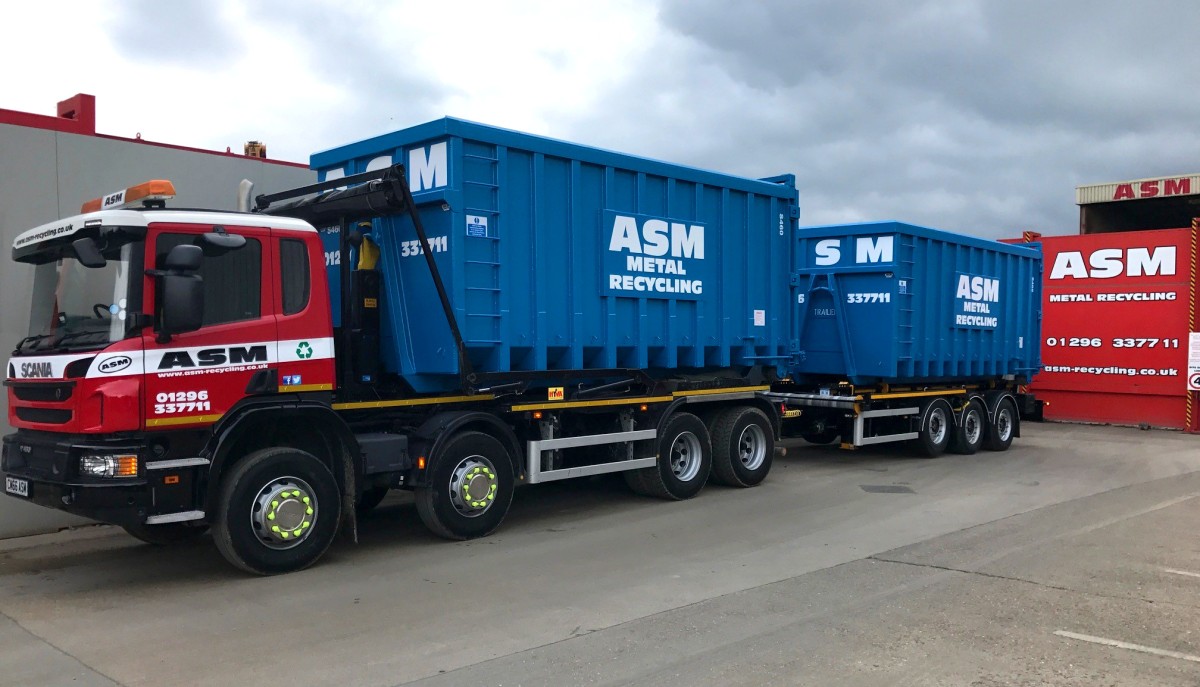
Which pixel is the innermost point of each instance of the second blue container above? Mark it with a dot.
(901, 304)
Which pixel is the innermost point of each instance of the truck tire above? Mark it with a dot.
(278, 511)
(971, 429)
(166, 535)
(684, 461)
(369, 499)
(743, 445)
(1002, 428)
(469, 489)
(636, 481)
(937, 428)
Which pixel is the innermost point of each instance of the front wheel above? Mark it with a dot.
(279, 510)
(743, 445)
(470, 488)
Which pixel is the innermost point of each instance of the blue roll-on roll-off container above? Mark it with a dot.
(559, 256)
(888, 302)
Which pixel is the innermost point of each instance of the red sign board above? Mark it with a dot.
(1115, 318)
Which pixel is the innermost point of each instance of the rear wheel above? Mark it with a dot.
(279, 510)
(166, 535)
(743, 445)
(684, 461)
(972, 426)
(937, 425)
(1002, 427)
(470, 488)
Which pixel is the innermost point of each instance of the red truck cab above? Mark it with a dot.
(147, 327)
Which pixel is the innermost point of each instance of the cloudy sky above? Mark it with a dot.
(974, 116)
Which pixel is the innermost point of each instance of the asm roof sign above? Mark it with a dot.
(1138, 189)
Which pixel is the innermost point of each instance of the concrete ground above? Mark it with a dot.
(1072, 559)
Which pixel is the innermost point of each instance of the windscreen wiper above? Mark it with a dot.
(32, 338)
(76, 334)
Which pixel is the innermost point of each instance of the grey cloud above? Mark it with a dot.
(371, 62)
(190, 34)
(971, 116)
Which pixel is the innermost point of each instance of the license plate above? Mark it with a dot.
(16, 487)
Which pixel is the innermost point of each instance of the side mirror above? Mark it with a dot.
(183, 258)
(87, 252)
(220, 241)
(182, 304)
(180, 292)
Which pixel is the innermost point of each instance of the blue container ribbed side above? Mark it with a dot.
(558, 256)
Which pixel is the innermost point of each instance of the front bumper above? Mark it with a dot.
(48, 464)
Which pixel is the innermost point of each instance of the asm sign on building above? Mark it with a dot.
(1115, 327)
(1160, 203)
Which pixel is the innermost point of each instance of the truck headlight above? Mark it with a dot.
(124, 465)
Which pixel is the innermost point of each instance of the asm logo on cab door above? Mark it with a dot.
(214, 357)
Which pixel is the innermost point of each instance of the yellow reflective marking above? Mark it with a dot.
(593, 404)
(305, 387)
(359, 405)
(730, 390)
(184, 420)
(915, 394)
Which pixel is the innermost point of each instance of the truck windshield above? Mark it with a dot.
(76, 307)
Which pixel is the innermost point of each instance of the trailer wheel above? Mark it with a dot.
(1002, 427)
(470, 488)
(743, 445)
(278, 511)
(369, 499)
(937, 427)
(971, 429)
(684, 461)
(166, 535)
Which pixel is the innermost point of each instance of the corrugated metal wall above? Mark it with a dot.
(47, 175)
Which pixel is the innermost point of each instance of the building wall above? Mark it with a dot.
(48, 175)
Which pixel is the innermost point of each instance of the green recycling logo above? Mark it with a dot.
(304, 351)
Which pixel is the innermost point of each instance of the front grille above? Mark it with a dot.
(49, 416)
(43, 391)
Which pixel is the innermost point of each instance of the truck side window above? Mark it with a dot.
(232, 280)
(293, 275)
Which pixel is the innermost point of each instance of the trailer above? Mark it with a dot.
(905, 333)
(456, 310)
